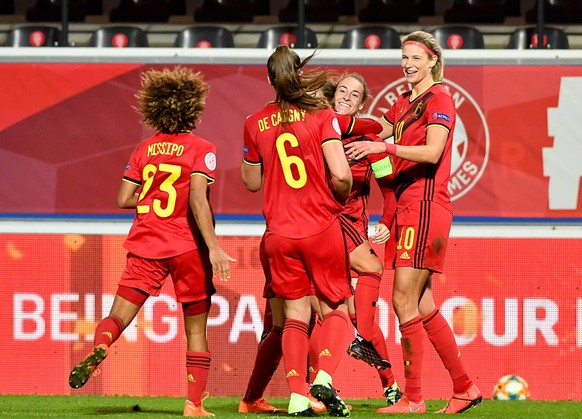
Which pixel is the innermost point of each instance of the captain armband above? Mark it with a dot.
(382, 167)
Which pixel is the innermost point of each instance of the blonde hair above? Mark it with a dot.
(171, 101)
(428, 40)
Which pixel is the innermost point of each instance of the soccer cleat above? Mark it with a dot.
(404, 406)
(463, 401)
(364, 350)
(190, 409)
(81, 373)
(392, 394)
(335, 406)
(258, 406)
(309, 412)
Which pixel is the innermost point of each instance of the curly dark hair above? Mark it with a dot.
(172, 101)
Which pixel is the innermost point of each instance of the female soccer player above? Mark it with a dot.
(166, 181)
(292, 148)
(348, 96)
(422, 121)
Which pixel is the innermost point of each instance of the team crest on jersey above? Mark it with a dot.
(470, 140)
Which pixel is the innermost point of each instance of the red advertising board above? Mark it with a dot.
(514, 304)
(64, 140)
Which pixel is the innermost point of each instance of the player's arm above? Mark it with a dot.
(436, 139)
(387, 128)
(251, 168)
(252, 176)
(127, 195)
(339, 169)
(203, 216)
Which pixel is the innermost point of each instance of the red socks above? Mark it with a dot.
(108, 331)
(442, 338)
(379, 343)
(365, 300)
(197, 366)
(266, 362)
(295, 345)
(332, 342)
(412, 343)
(314, 345)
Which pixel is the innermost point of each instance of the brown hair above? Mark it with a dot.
(292, 86)
(172, 101)
(432, 44)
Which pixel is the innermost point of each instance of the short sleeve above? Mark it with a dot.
(330, 127)
(205, 162)
(250, 153)
(132, 172)
(390, 115)
(441, 111)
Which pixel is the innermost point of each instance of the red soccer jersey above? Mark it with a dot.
(164, 225)
(298, 199)
(411, 119)
(356, 208)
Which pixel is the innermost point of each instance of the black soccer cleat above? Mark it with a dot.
(328, 396)
(309, 412)
(364, 350)
(392, 394)
(81, 373)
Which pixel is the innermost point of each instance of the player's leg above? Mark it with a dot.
(198, 356)
(192, 275)
(295, 345)
(465, 392)
(106, 333)
(365, 262)
(408, 285)
(291, 283)
(329, 267)
(267, 360)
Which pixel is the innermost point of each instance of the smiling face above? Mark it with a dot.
(417, 64)
(349, 96)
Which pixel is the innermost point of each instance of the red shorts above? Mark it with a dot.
(267, 290)
(419, 238)
(322, 259)
(353, 232)
(191, 274)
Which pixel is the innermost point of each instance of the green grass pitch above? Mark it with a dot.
(31, 406)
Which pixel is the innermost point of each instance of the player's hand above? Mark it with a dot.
(359, 149)
(220, 261)
(382, 234)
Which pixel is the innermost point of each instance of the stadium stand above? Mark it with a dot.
(118, 37)
(459, 37)
(315, 11)
(527, 38)
(371, 37)
(140, 11)
(377, 11)
(33, 36)
(6, 7)
(50, 11)
(285, 35)
(225, 11)
(476, 11)
(204, 37)
(557, 11)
